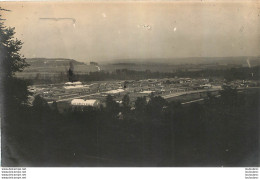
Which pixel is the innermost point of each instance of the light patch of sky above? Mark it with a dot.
(132, 30)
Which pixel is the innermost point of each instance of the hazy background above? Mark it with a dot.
(103, 31)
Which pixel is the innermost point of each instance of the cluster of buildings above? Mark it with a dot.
(94, 94)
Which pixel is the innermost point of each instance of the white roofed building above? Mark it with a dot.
(82, 102)
(115, 91)
(147, 92)
(74, 85)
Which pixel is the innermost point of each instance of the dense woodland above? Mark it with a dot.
(240, 73)
(125, 74)
(222, 131)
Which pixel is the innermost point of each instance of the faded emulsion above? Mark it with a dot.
(140, 84)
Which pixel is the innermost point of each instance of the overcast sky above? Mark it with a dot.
(104, 31)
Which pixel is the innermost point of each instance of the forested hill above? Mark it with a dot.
(243, 60)
(42, 62)
(239, 60)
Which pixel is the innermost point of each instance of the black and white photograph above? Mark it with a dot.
(130, 83)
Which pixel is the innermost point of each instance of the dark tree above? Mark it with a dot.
(14, 93)
(126, 101)
(40, 104)
(155, 106)
(111, 106)
(140, 104)
(11, 59)
(229, 96)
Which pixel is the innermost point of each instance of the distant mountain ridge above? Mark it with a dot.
(41, 62)
(241, 60)
(56, 66)
(190, 60)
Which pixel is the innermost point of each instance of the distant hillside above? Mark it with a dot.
(50, 67)
(54, 62)
(192, 60)
(126, 64)
(43, 62)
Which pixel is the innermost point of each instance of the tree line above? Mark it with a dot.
(220, 132)
(240, 73)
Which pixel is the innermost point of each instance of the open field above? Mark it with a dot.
(42, 68)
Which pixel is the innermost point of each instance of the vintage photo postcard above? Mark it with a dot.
(130, 84)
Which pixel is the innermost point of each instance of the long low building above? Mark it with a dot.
(75, 85)
(82, 102)
(115, 91)
(147, 92)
